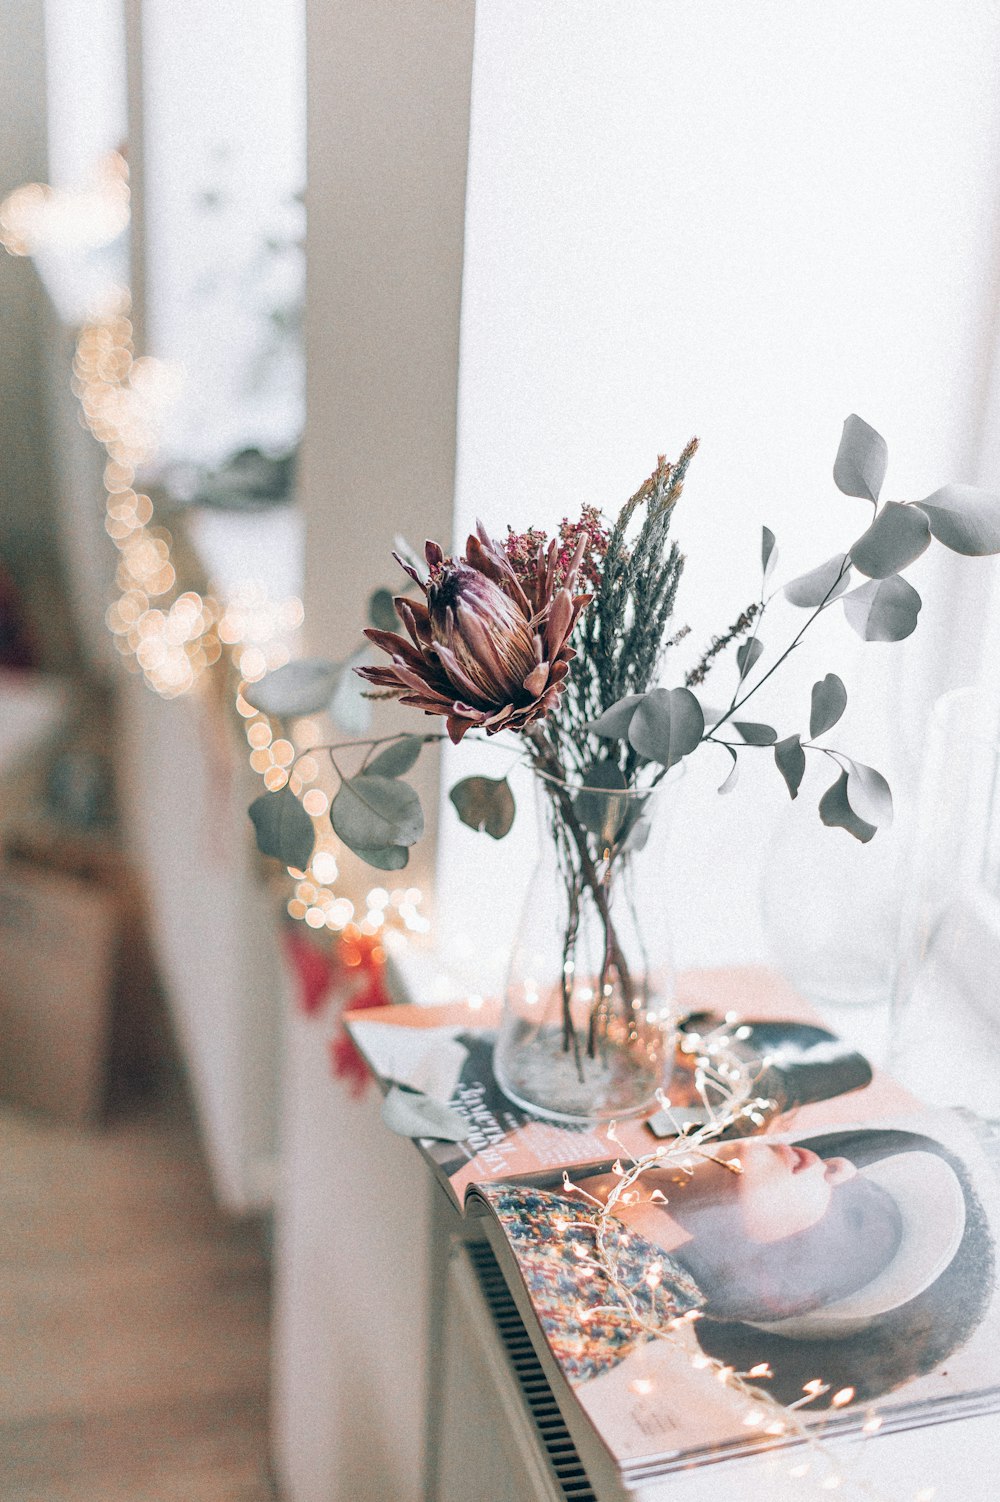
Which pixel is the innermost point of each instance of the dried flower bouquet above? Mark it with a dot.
(557, 644)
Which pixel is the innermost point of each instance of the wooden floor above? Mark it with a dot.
(133, 1320)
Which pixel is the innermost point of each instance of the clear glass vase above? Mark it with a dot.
(831, 909)
(589, 1007)
(945, 1016)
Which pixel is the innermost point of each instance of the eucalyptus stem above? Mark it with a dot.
(547, 761)
(570, 1039)
(737, 703)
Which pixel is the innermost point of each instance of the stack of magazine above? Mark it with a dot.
(848, 1260)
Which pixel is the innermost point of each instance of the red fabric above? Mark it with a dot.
(352, 970)
(361, 963)
(314, 969)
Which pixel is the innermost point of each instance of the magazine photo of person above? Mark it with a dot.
(861, 1259)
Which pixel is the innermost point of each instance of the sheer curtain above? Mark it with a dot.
(741, 223)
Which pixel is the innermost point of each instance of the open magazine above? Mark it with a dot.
(853, 1252)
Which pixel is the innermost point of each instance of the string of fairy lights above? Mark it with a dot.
(726, 1086)
(171, 634)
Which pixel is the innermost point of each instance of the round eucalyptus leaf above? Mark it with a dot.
(485, 804)
(299, 688)
(862, 460)
(883, 609)
(748, 654)
(613, 724)
(370, 813)
(965, 519)
(283, 828)
(869, 795)
(630, 835)
(756, 734)
(600, 805)
(381, 610)
(389, 858)
(790, 759)
(410, 1113)
(897, 536)
(637, 837)
(397, 758)
(820, 584)
(829, 700)
(768, 552)
(666, 725)
(348, 704)
(730, 781)
(837, 813)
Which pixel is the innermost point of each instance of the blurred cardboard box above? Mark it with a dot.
(79, 1013)
(57, 953)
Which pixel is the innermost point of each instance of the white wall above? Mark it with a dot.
(388, 140)
(185, 786)
(85, 93)
(740, 222)
(388, 144)
(224, 114)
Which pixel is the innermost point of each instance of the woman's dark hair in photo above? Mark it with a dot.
(856, 1239)
(893, 1348)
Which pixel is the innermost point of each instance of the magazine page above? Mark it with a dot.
(447, 1052)
(850, 1265)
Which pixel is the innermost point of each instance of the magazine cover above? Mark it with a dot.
(842, 1255)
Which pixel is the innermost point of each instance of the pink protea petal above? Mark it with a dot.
(414, 616)
(551, 563)
(505, 655)
(429, 703)
(482, 559)
(559, 623)
(460, 679)
(415, 681)
(456, 728)
(409, 569)
(420, 637)
(537, 679)
(469, 712)
(574, 566)
(391, 642)
(502, 720)
(381, 677)
(494, 565)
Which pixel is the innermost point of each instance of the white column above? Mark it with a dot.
(388, 140)
(388, 133)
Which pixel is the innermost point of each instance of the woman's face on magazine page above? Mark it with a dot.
(780, 1189)
(777, 1227)
(770, 1190)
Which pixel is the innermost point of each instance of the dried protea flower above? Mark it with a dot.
(489, 648)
